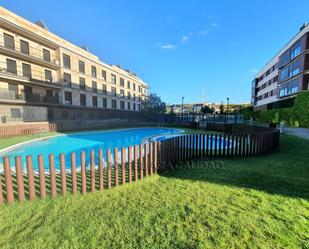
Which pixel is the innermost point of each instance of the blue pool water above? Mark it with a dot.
(82, 141)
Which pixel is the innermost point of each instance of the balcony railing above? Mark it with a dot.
(29, 97)
(30, 51)
(32, 76)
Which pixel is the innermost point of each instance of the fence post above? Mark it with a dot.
(151, 158)
(130, 164)
(146, 159)
(109, 173)
(101, 170)
(123, 166)
(8, 180)
(155, 157)
(42, 177)
(20, 179)
(135, 164)
(92, 172)
(116, 166)
(30, 173)
(141, 161)
(83, 171)
(63, 174)
(52, 175)
(73, 173)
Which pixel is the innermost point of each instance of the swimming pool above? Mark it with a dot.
(82, 141)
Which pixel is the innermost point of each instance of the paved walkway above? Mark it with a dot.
(299, 132)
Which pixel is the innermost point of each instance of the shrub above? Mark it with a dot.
(296, 116)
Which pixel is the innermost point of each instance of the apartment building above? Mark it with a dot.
(284, 76)
(40, 72)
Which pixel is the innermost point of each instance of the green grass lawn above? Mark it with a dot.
(258, 202)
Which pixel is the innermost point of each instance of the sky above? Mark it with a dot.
(178, 47)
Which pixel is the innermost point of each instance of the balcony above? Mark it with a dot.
(31, 77)
(30, 54)
(14, 97)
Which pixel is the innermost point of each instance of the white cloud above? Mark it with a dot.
(214, 24)
(203, 31)
(168, 46)
(165, 46)
(184, 39)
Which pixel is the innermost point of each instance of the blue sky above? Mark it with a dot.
(177, 47)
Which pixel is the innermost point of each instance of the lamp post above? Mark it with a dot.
(182, 108)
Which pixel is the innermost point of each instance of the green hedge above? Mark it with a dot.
(296, 116)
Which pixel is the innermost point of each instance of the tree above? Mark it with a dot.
(221, 108)
(153, 107)
(206, 109)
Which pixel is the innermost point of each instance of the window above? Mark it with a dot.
(114, 92)
(46, 55)
(82, 83)
(284, 73)
(122, 105)
(294, 68)
(66, 61)
(267, 72)
(285, 58)
(11, 66)
(133, 86)
(113, 79)
(122, 93)
(93, 71)
(122, 82)
(104, 89)
(138, 107)
(139, 89)
(81, 66)
(295, 50)
(24, 47)
(9, 41)
(94, 101)
(114, 103)
(94, 87)
(272, 93)
(67, 79)
(104, 75)
(129, 95)
(49, 93)
(13, 90)
(128, 85)
(129, 106)
(26, 70)
(68, 98)
(104, 102)
(293, 86)
(83, 100)
(134, 106)
(15, 113)
(48, 75)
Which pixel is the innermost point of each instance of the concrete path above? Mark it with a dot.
(299, 132)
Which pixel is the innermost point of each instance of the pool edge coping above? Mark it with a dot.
(11, 147)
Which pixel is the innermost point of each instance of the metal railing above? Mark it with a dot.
(34, 52)
(34, 76)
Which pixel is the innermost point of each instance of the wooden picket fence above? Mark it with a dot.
(25, 129)
(135, 163)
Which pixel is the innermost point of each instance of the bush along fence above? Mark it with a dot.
(19, 182)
